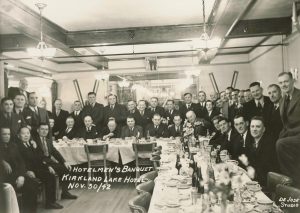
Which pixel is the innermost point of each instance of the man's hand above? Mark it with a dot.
(51, 170)
(68, 166)
(7, 167)
(30, 174)
(20, 181)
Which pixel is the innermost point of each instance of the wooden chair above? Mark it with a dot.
(286, 192)
(100, 149)
(145, 187)
(147, 177)
(140, 203)
(273, 179)
(142, 148)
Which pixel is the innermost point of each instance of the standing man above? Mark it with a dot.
(13, 91)
(202, 111)
(154, 108)
(95, 110)
(60, 117)
(188, 105)
(275, 122)
(288, 144)
(142, 116)
(77, 115)
(225, 104)
(170, 111)
(19, 103)
(34, 115)
(115, 110)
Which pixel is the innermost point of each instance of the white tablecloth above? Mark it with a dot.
(8, 199)
(75, 154)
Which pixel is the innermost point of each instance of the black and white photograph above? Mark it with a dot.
(149, 106)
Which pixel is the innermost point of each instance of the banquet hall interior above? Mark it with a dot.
(137, 72)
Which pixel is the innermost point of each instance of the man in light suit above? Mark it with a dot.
(131, 130)
(288, 144)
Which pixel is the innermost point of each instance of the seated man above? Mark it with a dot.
(131, 130)
(200, 125)
(70, 132)
(60, 166)
(176, 129)
(111, 130)
(36, 167)
(261, 152)
(15, 172)
(170, 111)
(227, 134)
(156, 128)
(216, 135)
(89, 131)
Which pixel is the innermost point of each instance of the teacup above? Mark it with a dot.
(265, 205)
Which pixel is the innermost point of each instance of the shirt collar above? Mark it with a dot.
(33, 108)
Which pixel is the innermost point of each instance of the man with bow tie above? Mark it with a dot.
(261, 153)
(288, 144)
(131, 130)
(157, 128)
(89, 131)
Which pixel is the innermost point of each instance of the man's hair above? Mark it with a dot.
(286, 73)
(170, 100)
(258, 118)
(247, 90)
(5, 99)
(188, 93)
(87, 116)
(31, 93)
(276, 86)
(154, 98)
(91, 93)
(77, 101)
(19, 94)
(177, 115)
(217, 117)
(43, 124)
(69, 117)
(142, 101)
(57, 99)
(112, 95)
(23, 127)
(253, 84)
(156, 114)
(209, 101)
(231, 88)
(132, 101)
(130, 117)
(222, 118)
(235, 90)
(4, 127)
(201, 91)
(239, 116)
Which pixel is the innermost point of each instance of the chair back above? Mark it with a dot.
(287, 192)
(143, 147)
(273, 179)
(140, 203)
(145, 187)
(100, 149)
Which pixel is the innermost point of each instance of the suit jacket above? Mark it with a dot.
(158, 110)
(233, 110)
(275, 123)
(225, 109)
(225, 142)
(12, 156)
(201, 111)
(213, 113)
(83, 133)
(13, 91)
(60, 121)
(33, 157)
(78, 120)
(161, 131)
(118, 112)
(51, 150)
(183, 109)
(34, 120)
(106, 131)
(73, 133)
(96, 113)
(173, 133)
(237, 145)
(291, 125)
(142, 120)
(262, 158)
(170, 116)
(15, 123)
(137, 130)
(251, 110)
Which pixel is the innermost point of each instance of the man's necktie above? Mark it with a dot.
(242, 140)
(36, 111)
(188, 106)
(45, 147)
(142, 113)
(285, 108)
(111, 107)
(259, 106)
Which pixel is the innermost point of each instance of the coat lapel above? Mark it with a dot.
(295, 98)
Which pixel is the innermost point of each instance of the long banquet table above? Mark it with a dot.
(74, 153)
(170, 196)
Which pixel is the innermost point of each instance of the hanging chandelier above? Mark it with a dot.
(123, 83)
(41, 51)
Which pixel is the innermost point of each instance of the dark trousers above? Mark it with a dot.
(49, 180)
(288, 153)
(60, 170)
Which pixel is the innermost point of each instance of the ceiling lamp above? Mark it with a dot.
(123, 83)
(102, 75)
(41, 51)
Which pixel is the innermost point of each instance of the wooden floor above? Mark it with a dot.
(90, 201)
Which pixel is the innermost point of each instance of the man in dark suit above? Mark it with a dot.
(211, 111)
(200, 125)
(260, 152)
(60, 117)
(225, 104)
(89, 131)
(36, 167)
(201, 106)
(16, 173)
(275, 122)
(131, 130)
(77, 115)
(176, 129)
(13, 91)
(111, 130)
(19, 104)
(170, 111)
(9, 118)
(115, 110)
(216, 134)
(70, 131)
(259, 106)
(155, 109)
(59, 166)
(187, 106)
(131, 108)
(156, 128)
(34, 115)
(95, 110)
(236, 107)
(288, 144)
(228, 133)
(142, 116)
